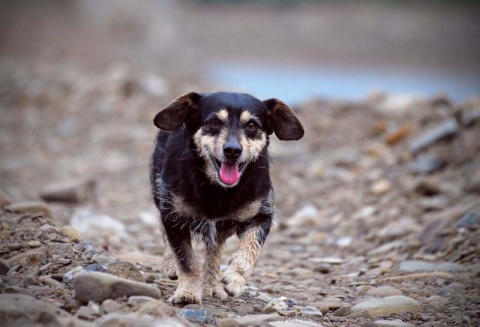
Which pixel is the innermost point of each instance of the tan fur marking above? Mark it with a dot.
(252, 148)
(222, 114)
(241, 266)
(245, 116)
(207, 146)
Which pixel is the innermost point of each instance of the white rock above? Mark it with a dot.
(307, 215)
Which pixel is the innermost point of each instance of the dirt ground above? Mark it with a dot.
(378, 206)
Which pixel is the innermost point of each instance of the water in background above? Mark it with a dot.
(296, 84)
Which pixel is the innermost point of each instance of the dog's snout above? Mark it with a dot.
(232, 150)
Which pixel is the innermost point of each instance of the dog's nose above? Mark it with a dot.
(232, 150)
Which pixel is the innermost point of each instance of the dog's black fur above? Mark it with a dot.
(199, 133)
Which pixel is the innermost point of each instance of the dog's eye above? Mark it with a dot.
(251, 126)
(214, 124)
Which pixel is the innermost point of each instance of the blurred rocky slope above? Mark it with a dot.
(378, 206)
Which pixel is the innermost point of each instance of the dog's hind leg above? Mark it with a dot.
(252, 236)
(168, 259)
(189, 288)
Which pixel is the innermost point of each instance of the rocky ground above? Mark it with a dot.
(378, 210)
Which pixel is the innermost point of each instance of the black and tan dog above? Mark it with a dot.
(210, 179)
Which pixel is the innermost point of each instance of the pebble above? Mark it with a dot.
(468, 220)
(398, 135)
(74, 191)
(386, 306)
(34, 244)
(397, 228)
(126, 270)
(392, 323)
(139, 300)
(381, 187)
(426, 164)
(116, 319)
(194, 315)
(97, 287)
(89, 223)
(96, 267)
(61, 250)
(323, 268)
(414, 265)
(311, 311)
(4, 267)
(453, 288)
(53, 283)
(71, 233)
(30, 208)
(275, 305)
(384, 291)
(473, 182)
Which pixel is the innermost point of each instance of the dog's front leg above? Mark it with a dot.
(252, 236)
(189, 288)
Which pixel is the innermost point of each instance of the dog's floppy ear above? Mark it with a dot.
(177, 112)
(283, 121)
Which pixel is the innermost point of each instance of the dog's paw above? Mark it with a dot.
(234, 283)
(186, 295)
(215, 290)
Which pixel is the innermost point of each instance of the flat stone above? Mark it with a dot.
(194, 315)
(275, 305)
(414, 265)
(32, 207)
(343, 311)
(382, 291)
(24, 310)
(392, 323)
(468, 220)
(34, 259)
(381, 187)
(244, 310)
(125, 269)
(116, 319)
(34, 244)
(307, 215)
(294, 323)
(97, 287)
(426, 164)
(139, 300)
(311, 311)
(110, 305)
(251, 320)
(70, 275)
(386, 306)
(74, 191)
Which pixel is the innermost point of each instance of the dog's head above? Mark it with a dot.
(230, 130)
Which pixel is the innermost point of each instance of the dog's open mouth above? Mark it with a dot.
(229, 172)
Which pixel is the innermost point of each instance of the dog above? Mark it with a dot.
(210, 179)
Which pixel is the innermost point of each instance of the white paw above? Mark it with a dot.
(235, 283)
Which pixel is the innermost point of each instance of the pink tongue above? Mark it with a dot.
(229, 173)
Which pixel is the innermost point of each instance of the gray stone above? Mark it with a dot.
(442, 131)
(138, 320)
(139, 300)
(24, 310)
(468, 220)
(194, 315)
(386, 306)
(414, 265)
(311, 311)
(109, 306)
(96, 267)
(426, 164)
(97, 287)
(244, 310)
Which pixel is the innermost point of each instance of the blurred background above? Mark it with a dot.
(343, 49)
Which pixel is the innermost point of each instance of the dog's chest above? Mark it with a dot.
(214, 211)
